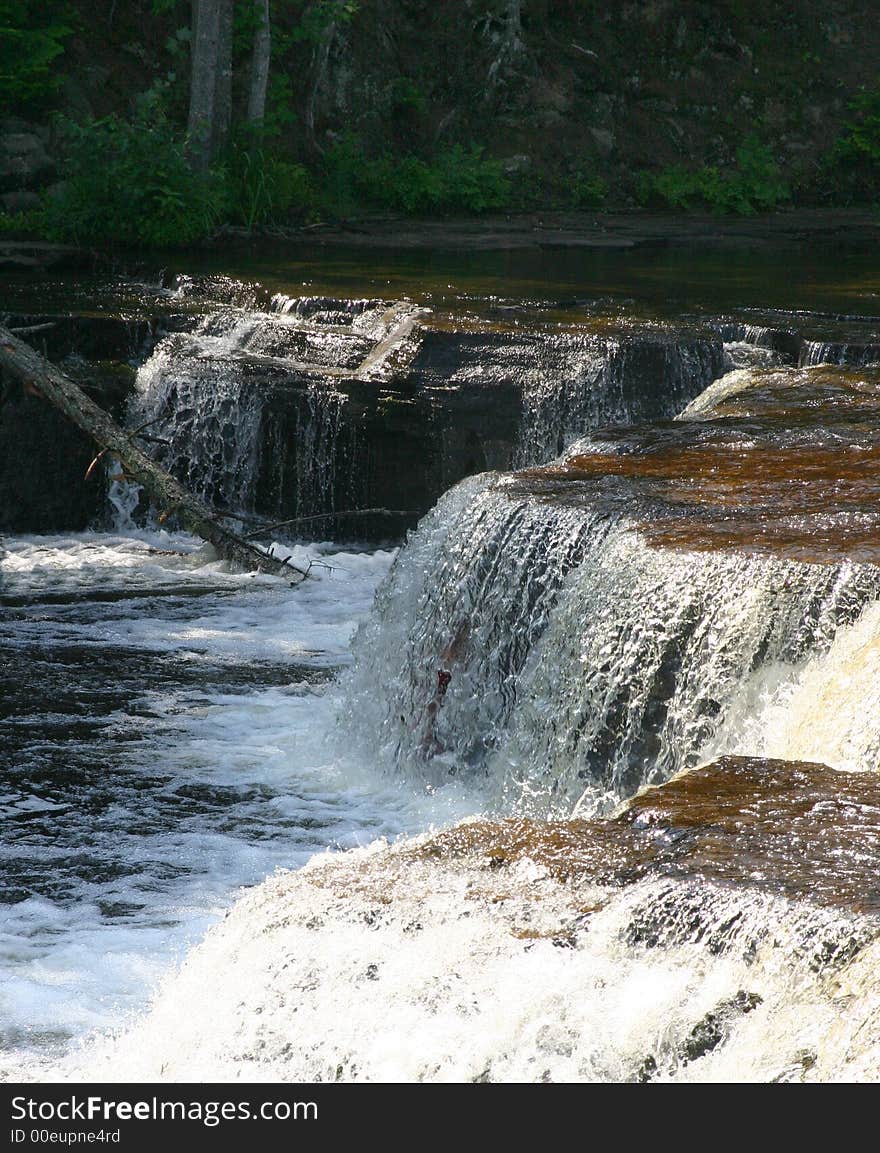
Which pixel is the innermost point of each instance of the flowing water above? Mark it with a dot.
(162, 728)
(602, 749)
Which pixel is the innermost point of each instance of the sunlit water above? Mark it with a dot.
(173, 732)
(164, 741)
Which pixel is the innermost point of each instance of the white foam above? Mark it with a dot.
(826, 708)
(210, 786)
(381, 966)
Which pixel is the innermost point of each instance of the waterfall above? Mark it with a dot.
(582, 662)
(839, 352)
(562, 397)
(645, 675)
(746, 332)
(364, 316)
(304, 406)
(511, 970)
(319, 453)
(471, 594)
(207, 408)
(655, 637)
(574, 382)
(216, 397)
(827, 708)
(648, 653)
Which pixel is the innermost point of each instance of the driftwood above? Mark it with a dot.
(36, 373)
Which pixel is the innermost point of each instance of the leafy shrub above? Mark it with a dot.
(587, 190)
(470, 182)
(345, 176)
(33, 220)
(262, 187)
(457, 180)
(762, 185)
(32, 36)
(130, 182)
(756, 184)
(852, 167)
(861, 136)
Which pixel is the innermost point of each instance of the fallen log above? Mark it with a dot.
(39, 375)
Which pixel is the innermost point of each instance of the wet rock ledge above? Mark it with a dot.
(518, 951)
(360, 404)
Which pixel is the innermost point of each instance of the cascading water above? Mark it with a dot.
(580, 381)
(546, 644)
(207, 397)
(638, 656)
(516, 953)
(646, 654)
(583, 662)
(318, 452)
(193, 397)
(441, 657)
(282, 412)
(839, 352)
(825, 708)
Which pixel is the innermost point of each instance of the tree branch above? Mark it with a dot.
(38, 374)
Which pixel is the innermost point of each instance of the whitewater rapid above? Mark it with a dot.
(167, 744)
(378, 963)
(223, 793)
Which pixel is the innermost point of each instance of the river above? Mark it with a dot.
(431, 751)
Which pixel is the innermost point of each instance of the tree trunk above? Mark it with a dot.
(210, 90)
(20, 360)
(223, 94)
(319, 74)
(262, 52)
(509, 45)
(203, 81)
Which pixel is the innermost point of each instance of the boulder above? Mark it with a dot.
(24, 162)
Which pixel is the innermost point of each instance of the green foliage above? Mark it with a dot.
(470, 182)
(130, 182)
(405, 95)
(861, 138)
(344, 176)
(587, 190)
(32, 36)
(755, 185)
(262, 187)
(320, 14)
(14, 223)
(456, 180)
(280, 101)
(851, 170)
(761, 183)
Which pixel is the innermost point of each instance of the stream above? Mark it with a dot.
(560, 765)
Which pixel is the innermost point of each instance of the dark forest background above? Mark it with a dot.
(156, 122)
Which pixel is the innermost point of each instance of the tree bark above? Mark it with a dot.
(203, 81)
(210, 89)
(36, 373)
(223, 95)
(510, 44)
(256, 111)
(319, 73)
